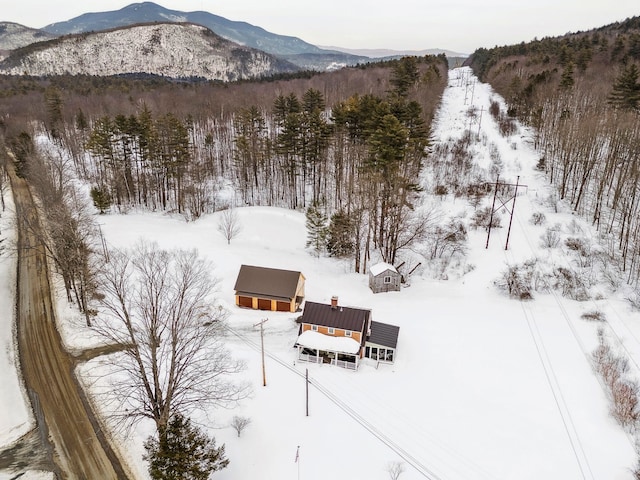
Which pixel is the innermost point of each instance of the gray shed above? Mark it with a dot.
(383, 277)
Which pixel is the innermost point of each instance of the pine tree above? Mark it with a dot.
(183, 452)
(316, 229)
(53, 104)
(101, 198)
(567, 81)
(340, 235)
(626, 89)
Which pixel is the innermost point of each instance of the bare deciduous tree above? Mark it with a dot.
(229, 224)
(395, 469)
(550, 238)
(158, 308)
(240, 423)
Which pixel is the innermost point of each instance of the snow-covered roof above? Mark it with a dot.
(378, 268)
(319, 341)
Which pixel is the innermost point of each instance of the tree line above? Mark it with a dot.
(357, 159)
(581, 92)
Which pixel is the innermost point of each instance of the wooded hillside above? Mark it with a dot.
(345, 146)
(581, 92)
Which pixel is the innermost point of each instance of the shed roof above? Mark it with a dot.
(378, 268)
(264, 282)
(319, 341)
(384, 334)
(347, 318)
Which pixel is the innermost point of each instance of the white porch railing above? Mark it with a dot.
(305, 357)
(343, 364)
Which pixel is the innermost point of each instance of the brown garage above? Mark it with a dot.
(245, 302)
(283, 306)
(269, 288)
(264, 304)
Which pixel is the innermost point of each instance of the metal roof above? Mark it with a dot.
(384, 334)
(346, 318)
(264, 282)
(379, 268)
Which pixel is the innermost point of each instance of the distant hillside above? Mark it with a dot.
(13, 35)
(169, 50)
(527, 73)
(581, 93)
(147, 12)
(385, 52)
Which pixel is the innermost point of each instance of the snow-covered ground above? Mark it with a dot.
(483, 387)
(15, 419)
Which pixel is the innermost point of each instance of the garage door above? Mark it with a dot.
(283, 306)
(264, 304)
(245, 302)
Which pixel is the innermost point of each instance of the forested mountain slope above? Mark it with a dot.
(582, 94)
(169, 50)
(14, 36)
(147, 12)
(289, 48)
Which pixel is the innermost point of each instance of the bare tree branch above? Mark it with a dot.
(229, 224)
(158, 306)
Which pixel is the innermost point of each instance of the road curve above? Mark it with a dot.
(81, 450)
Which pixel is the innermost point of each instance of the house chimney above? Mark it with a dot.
(334, 302)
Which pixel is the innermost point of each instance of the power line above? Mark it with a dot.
(552, 380)
(419, 466)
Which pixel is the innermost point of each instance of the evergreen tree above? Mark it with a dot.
(626, 89)
(53, 104)
(405, 75)
(183, 452)
(340, 235)
(316, 229)
(101, 198)
(567, 81)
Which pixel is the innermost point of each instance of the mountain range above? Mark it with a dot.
(82, 29)
(170, 50)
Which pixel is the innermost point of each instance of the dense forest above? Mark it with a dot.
(581, 92)
(346, 147)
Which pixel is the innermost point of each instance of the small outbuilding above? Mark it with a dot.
(384, 277)
(272, 289)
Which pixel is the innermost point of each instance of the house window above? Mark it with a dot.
(389, 355)
(331, 331)
(374, 353)
(387, 279)
(314, 328)
(347, 333)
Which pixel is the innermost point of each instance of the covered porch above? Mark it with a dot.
(318, 348)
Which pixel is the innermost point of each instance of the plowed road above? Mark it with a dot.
(80, 448)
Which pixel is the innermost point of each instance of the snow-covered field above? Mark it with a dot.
(483, 387)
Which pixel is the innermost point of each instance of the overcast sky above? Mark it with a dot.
(459, 25)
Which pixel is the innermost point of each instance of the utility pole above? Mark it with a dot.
(513, 207)
(306, 382)
(493, 209)
(505, 205)
(264, 373)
